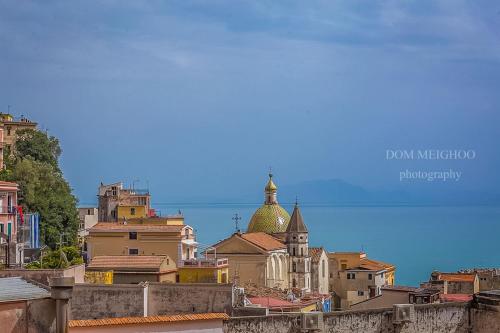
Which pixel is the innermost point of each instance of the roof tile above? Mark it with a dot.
(147, 320)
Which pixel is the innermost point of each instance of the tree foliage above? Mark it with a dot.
(61, 258)
(33, 164)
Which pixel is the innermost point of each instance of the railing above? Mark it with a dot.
(7, 210)
(201, 263)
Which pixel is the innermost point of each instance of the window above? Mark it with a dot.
(113, 190)
(302, 251)
(8, 130)
(132, 235)
(132, 211)
(323, 268)
(294, 267)
(351, 276)
(331, 275)
(293, 252)
(344, 267)
(133, 251)
(141, 200)
(294, 283)
(370, 276)
(361, 293)
(1, 227)
(9, 229)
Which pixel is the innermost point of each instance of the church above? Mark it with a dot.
(274, 251)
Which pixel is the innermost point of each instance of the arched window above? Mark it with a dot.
(323, 268)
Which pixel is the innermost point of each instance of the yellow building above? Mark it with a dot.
(255, 258)
(134, 269)
(131, 211)
(118, 239)
(204, 271)
(355, 278)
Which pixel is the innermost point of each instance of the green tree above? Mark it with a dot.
(37, 145)
(60, 258)
(34, 166)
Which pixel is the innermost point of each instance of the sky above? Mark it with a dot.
(200, 98)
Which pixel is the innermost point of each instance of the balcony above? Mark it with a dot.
(7, 210)
(203, 263)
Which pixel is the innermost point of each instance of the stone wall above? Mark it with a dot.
(44, 275)
(36, 315)
(437, 318)
(170, 298)
(92, 301)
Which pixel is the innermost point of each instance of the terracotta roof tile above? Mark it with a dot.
(315, 253)
(120, 227)
(457, 277)
(263, 240)
(147, 320)
(127, 261)
(374, 265)
(455, 297)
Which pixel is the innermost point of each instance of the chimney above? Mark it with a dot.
(61, 289)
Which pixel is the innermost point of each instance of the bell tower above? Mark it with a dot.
(298, 250)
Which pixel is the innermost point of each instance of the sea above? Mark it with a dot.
(416, 239)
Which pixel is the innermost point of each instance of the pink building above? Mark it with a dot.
(182, 323)
(8, 208)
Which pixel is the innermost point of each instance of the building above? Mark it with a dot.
(270, 218)
(119, 239)
(424, 296)
(25, 306)
(206, 270)
(390, 295)
(255, 258)
(134, 269)
(8, 128)
(117, 203)
(489, 278)
(274, 252)
(355, 278)
(88, 217)
(453, 283)
(306, 304)
(319, 270)
(297, 242)
(8, 209)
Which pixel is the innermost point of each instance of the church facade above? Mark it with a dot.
(274, 251)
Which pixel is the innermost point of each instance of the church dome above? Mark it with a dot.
(270, 217)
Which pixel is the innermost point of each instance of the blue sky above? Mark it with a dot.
(200, 97)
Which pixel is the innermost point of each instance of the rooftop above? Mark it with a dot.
(315, 253)
(147, 320)
(149, 262)
(263, 240)
(399, 288)
(17, 289)
(456, 277)
(122, 227)
(455, 297)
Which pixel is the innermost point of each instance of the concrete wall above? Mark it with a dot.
(30, 316)
(385, 300)
(92, 301)
(43, 275)
(438, 318)
(189, 298)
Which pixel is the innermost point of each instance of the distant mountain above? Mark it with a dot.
(339, 192)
